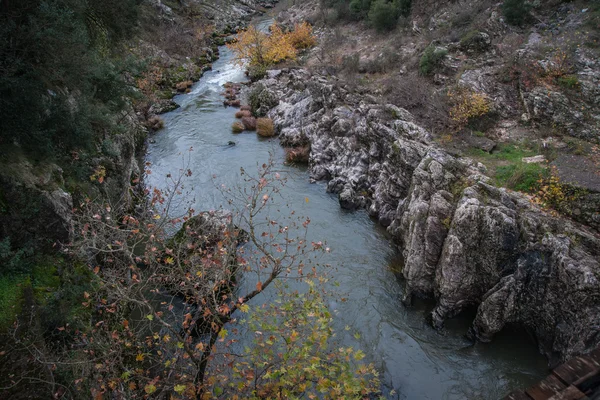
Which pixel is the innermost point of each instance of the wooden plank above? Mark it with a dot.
(517, 395)
(591, 386)
(595, 355)
(570, 393)
(576, 368)
(546, 388)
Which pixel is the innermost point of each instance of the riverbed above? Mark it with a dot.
(414, 360)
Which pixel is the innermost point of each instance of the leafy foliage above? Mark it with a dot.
(58, 83)
(431, 59)
(302, 36)
(556, 194)
(293, 356)
(260, 50)
(10, 294)
(256, 48)
(467, 106)
(516, 12)
(159, 316)
(383, 15)
(360, 8)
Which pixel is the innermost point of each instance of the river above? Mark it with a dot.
(414, 360)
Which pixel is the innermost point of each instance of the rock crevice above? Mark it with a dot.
(465, 242)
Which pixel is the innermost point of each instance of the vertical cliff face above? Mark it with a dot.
(465, 242)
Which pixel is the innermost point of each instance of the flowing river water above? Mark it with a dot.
(414, 360)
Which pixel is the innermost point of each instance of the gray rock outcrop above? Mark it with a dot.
(465, 242)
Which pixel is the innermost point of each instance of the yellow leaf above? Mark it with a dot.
(139, 357)
(179, 389)
(150, 389)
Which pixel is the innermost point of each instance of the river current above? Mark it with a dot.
(414, 360)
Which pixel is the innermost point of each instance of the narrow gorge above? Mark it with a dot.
(416, 217)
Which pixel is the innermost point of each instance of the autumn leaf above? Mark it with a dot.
(150, 389)
(244, 308)
(179, 389)
(139, 357)
(359, 355)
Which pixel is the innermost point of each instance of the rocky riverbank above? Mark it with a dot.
(465, 242)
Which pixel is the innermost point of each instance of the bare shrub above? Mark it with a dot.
(245, 108)
(183, 86)
(155, 123)
(232, 103)
(419, 96)
(243, 113)
(265, 127)
(249, 123)
(237, 127)
(297, 155)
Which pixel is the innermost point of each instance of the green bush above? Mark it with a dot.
(404, 7)
(431, 59)
(383, 15)
(10, 296)
(257, 72)
(360, 8)
(59, 85)
(569, 81)
(261, 100)
(516, 12)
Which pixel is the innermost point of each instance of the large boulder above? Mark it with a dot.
(466, 243)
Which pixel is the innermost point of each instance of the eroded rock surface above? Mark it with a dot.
(466, 242)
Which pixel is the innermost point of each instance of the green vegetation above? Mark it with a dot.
(360, 8)
(59, 82)
(431, 59)
(382, 15)
(10, 296)
(569, 81)
(516, 12)
(508, 170)
(519, 176)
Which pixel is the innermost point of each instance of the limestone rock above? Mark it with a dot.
(466, 243)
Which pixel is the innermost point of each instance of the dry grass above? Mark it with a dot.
(155, 123)
(245, 108)
(297, 155)
(243, 113)
(249, 123)
(419, 96)
(184, 86)
(237, 127)
(265, 127)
